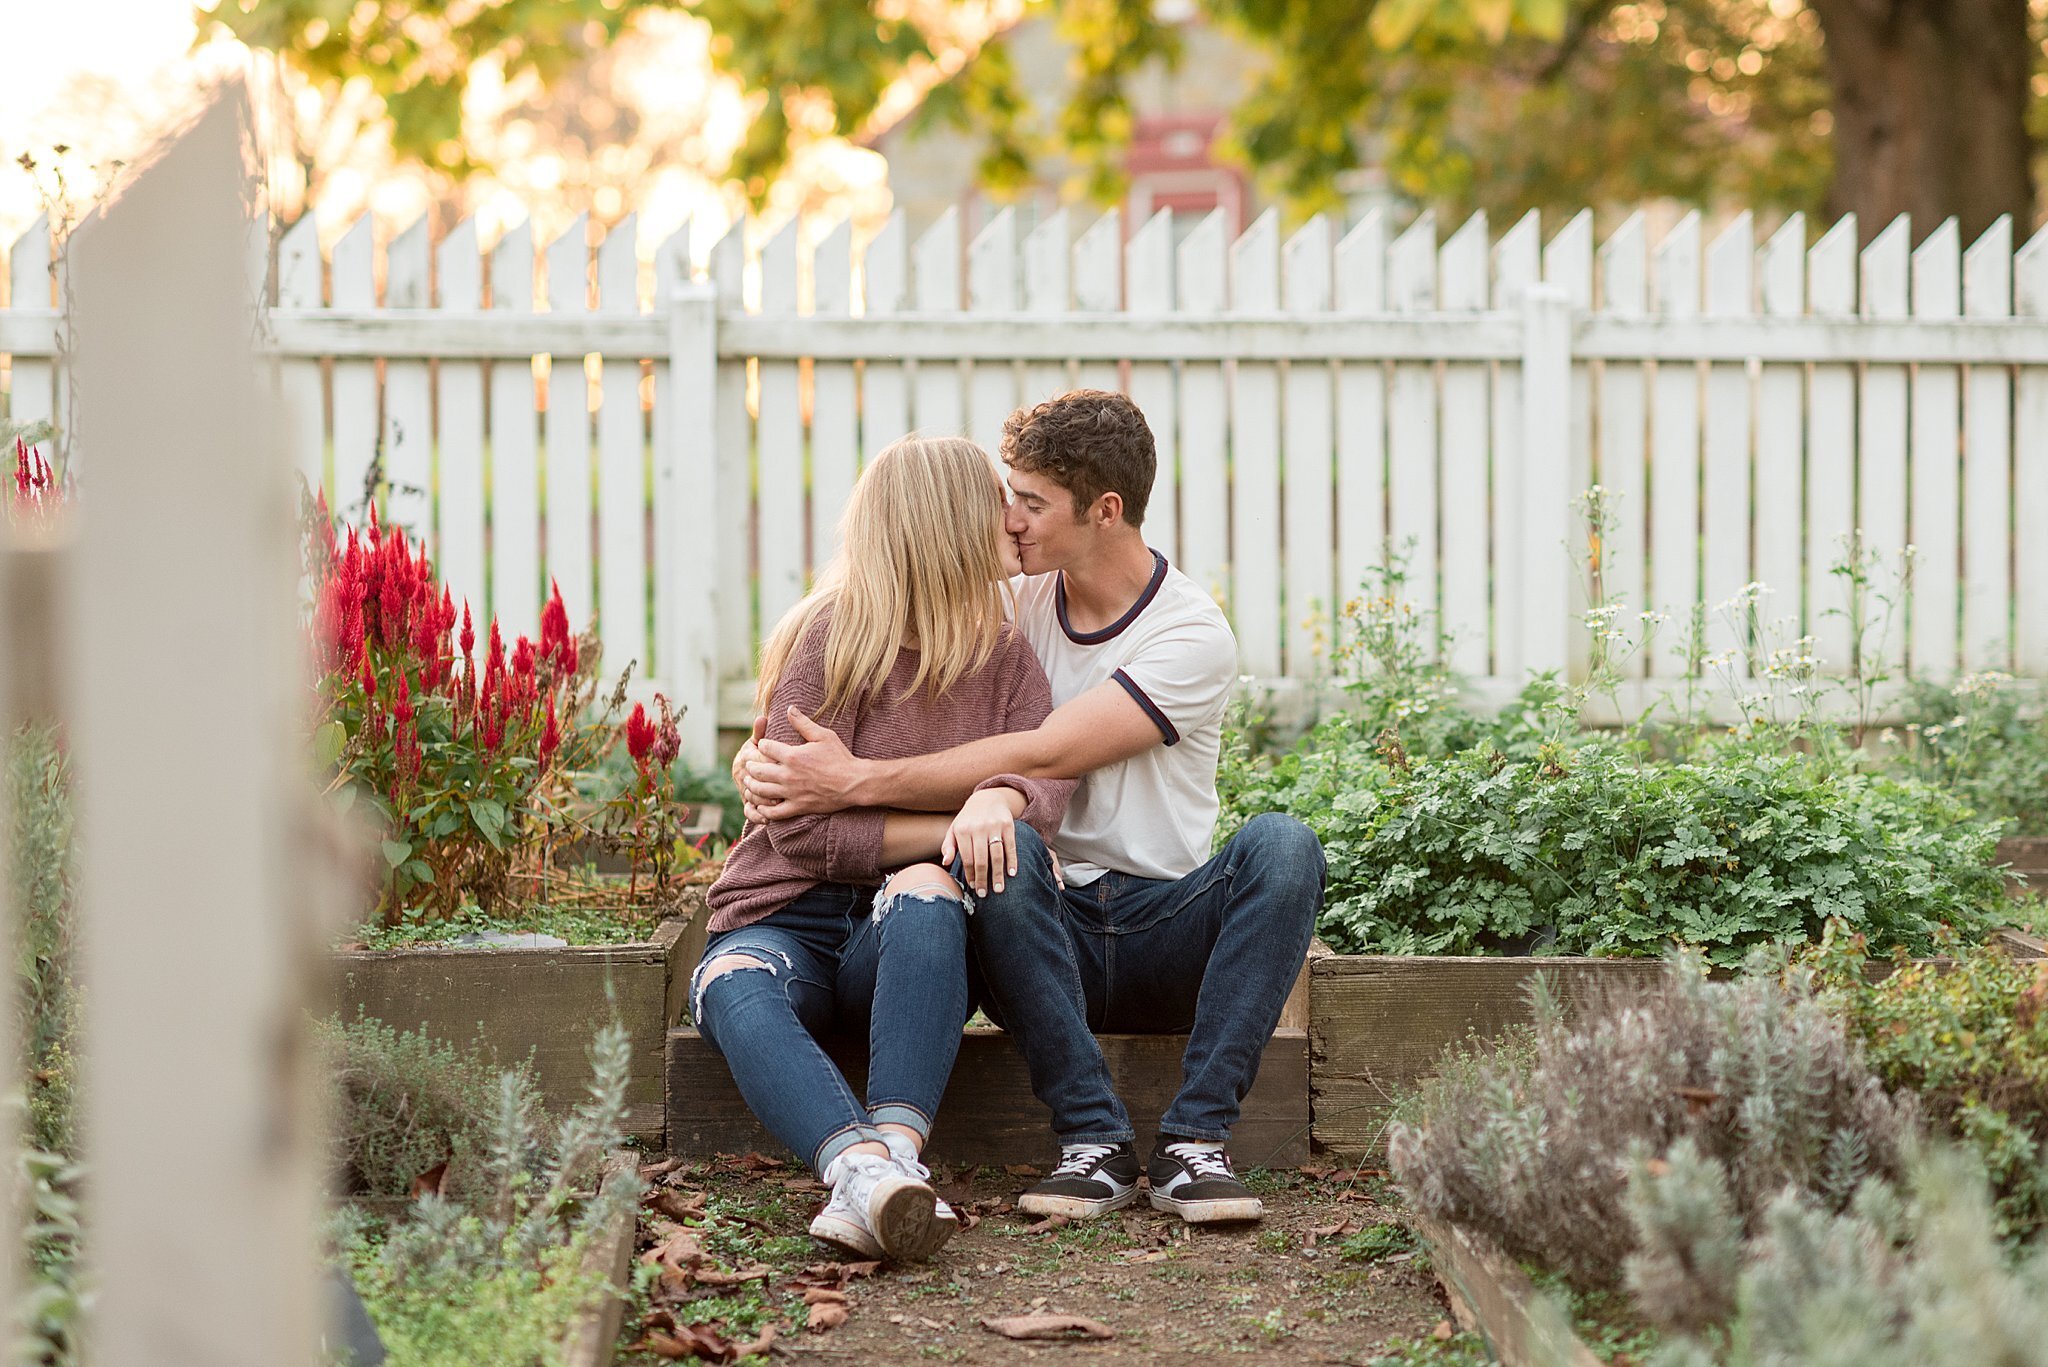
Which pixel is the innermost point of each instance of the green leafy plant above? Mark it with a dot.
(1968, 1035)
(56, 1295)
(1532, 1149)
(498, 1275)
(1596, 853)
(1982, 738)
(404, 1107)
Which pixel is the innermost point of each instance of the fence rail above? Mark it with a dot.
(1748, 406)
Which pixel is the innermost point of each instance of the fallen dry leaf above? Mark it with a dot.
(1021, 1170)
(678, 1251)
(1048, 1224)
(1443, 1331)
(432, 1182)
(757, 1162)
(661, 1169)
(1144, 1255)
(692, 1341)
(682, 1206)
(824, 1295)
(834, 1274)
(1335, 1231)
(757, 1346)
(1048, 1327)
(825, 1316)
(711, 1276)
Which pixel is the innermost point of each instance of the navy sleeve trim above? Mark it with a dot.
(1151, 709)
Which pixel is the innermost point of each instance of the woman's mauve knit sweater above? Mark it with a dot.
(773, 862)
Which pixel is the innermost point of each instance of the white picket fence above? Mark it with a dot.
(1315, 399)
(155, 622)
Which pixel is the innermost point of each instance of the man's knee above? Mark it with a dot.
(1283, 847)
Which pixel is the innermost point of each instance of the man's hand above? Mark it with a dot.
(783, 780)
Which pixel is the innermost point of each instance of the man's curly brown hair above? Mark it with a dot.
(1089, 442)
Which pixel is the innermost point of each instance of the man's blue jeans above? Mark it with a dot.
(1213, 954)
(838, 960)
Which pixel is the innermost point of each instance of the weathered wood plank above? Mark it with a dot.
(988, 1114)
(2028, 857)
(1493, 1298)
(595, 1333)
(1379, 1024)
(546, 1003)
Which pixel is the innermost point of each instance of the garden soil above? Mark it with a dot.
(1329, 1276)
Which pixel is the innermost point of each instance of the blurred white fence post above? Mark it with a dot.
(196, 928)
(1546, 572)
(686, 479)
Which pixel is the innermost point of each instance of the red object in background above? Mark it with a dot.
(1172, 165)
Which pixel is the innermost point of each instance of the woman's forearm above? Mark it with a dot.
(908, 837)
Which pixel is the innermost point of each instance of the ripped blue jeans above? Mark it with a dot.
(840, 960)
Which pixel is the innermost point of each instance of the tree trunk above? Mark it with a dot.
(1930, 102)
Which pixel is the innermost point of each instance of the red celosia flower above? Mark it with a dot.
(550, 734)
(554, 624)
(468, 634)
(401, 706)
(639, 735)
(493, 724)
(369, 679)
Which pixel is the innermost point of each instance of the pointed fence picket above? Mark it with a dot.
(1754, 409)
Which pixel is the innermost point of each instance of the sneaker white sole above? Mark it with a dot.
(1074, 1207)
(1212, 1212)
(845, 1235)
(902, 1212)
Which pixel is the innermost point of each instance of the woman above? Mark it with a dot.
(904, 648)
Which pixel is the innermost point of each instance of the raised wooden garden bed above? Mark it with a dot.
(1491, 1297)
(1379, 1024)
(547, 1003)
(988, 1114)
(591, 1339)
(2028, 856)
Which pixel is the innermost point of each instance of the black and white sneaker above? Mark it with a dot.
(1091, 1180)
(1194, 1181)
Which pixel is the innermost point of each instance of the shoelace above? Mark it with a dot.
(1203, 1163)
(1076, 1159)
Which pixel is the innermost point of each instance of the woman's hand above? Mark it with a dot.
(984, 835)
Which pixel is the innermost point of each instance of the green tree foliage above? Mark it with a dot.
(1506, 104)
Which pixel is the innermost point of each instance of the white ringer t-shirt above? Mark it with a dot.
(1153, 814)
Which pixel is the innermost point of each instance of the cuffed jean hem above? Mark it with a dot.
(1105, 1137)
(901, 1113)
(1169, 1134)
(839, 1141)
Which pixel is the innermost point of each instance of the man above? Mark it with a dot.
(1145, 932)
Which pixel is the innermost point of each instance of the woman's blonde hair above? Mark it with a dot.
(919, 563)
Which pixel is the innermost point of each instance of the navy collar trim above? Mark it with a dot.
(1116, 628)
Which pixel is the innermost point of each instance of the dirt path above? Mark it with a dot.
(1330, 1276)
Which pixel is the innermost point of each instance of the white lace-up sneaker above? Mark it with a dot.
(904, 1152)
(877, 1211)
